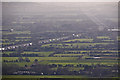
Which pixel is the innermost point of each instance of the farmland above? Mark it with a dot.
(74, 45)
(58, 43)
(75, 55)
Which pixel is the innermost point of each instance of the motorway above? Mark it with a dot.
(97, 21)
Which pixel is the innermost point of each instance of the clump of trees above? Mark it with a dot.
(9, 69)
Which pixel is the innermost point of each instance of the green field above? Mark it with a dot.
(22, 37)
(42, 58)
(45, 54)
(81, 40)
(43, 76)
(74, 45)
(60, 60)
(69, 55)
(16, 32)
(81, 51)
(103, 37)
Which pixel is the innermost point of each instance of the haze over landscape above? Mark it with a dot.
(58, 40)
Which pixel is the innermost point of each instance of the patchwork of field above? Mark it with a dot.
(59, 60)
(62, 42)
(79, 45)
(87, 57)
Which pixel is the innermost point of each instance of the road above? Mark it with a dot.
(97, 21)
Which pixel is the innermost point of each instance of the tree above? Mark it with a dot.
(36, 60)
(20, 59)
(27, 59)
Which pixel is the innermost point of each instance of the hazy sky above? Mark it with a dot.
(60, 0)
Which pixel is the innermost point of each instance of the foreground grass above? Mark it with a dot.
(43, 76)
(53, 77)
